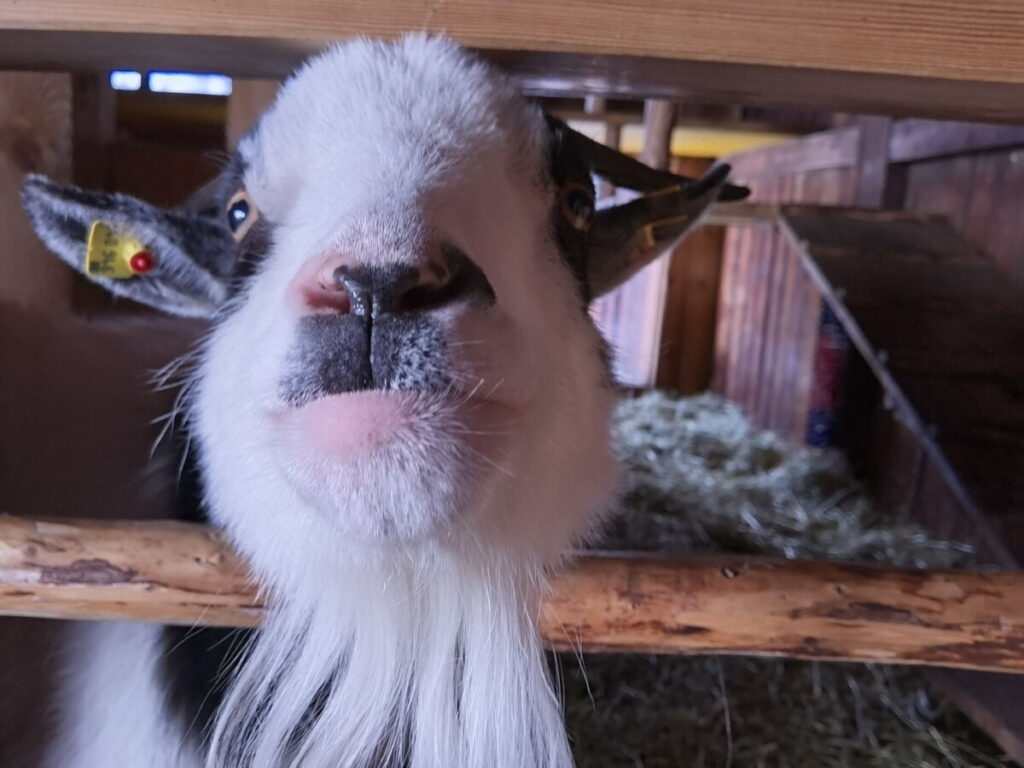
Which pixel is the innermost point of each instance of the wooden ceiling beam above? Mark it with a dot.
(542, 73)
(941, 39)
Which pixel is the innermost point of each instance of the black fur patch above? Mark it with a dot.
(197, 663)
(251, 252)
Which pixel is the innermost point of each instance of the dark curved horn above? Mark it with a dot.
(624, 171)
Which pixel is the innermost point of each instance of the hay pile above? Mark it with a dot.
(700, 478)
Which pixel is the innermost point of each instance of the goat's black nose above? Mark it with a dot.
(394, 288)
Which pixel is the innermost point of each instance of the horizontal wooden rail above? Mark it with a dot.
(925, 38)
(742, 214)
(917, 58)
(186, 574)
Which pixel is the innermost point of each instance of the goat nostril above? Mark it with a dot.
(435, 288)
(435, 275)
(327, 278)
(325, 295)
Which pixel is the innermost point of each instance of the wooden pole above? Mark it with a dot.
(659, 117)
(596, 107)
(179, 573)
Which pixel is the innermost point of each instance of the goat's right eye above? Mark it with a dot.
(578, 206)
(242, 214)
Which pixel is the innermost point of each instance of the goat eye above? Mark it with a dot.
(242, 214)
(578, 206)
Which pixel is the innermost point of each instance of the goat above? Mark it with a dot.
(399, 415)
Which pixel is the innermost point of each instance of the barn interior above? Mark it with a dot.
(828, 371)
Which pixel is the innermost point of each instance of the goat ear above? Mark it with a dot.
(625, 238)
(187, 274)
(617, 242)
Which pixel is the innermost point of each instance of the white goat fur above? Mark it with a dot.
(409, 573)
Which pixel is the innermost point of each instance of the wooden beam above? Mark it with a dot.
(839, 148)
(624, 119)
(180, 573)
(948, 40)
(742, 215)
(540, 72)
(913, 140)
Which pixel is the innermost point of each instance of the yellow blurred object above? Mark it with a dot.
(110, 254)
(688, 142)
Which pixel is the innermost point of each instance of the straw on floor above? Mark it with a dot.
(700, 478)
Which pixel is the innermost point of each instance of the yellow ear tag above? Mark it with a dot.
(115, 254)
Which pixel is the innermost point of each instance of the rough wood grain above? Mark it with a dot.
(913, 140)
(546, 73)
(938, 38)
(185, 574)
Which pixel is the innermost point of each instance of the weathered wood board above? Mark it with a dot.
(186, 574)
(944, 59)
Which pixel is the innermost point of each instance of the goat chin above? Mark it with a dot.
(427, 661)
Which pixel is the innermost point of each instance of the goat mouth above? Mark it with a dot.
(363, 423)
(339, 354)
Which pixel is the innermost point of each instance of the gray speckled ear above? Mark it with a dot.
(193, 254)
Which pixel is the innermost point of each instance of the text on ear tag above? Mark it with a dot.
(115, 254)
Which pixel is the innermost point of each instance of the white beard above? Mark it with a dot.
(426, 661)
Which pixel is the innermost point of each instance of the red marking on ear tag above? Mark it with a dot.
(142, 262)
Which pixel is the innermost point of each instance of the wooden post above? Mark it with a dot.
(186, 574)
(879, 183)
(691, 303)
(248, 100)
(35, 137)
(659, 118)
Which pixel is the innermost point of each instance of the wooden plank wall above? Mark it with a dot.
(769, 309)
(972, 174)
(686, 352)
(69, 389)
(35, 137)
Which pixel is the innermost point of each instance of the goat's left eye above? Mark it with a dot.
(578, 206)
(242, 214)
